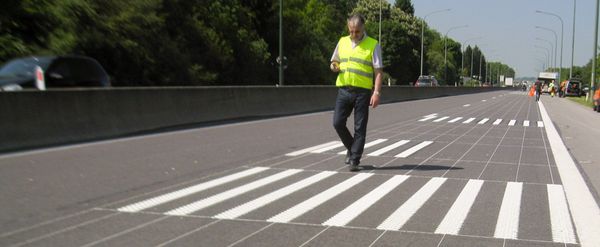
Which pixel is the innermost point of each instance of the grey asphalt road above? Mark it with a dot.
(473, 170)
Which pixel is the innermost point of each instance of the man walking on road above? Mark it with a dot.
(356, 59)
(538, 90)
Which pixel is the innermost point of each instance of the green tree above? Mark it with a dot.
(406, 6)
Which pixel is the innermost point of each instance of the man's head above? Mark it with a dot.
(356, 26)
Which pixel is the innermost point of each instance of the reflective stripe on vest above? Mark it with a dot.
(356, 64)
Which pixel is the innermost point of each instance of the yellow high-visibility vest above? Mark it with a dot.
(356, 65)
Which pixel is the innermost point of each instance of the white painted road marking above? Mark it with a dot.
(526, 123)
(388, 148)
(584, 209)
(469, 120)
(454, 219)
(562, 229)
(427, 118)
(207, 202)
(413, 150)
(310, 149)
(136, 207)
(507, 225)
(440, 119)
(325, 149)
(273, 196)
(355, 209)
(454, 120)
(540, 124)
(368, 145)
(397, 219)
(483, 121)
(313, 202)
(467, 105)
(512, 122)
(497, 122)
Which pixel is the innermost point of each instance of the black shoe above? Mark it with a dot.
(347, 160)
(354, 166)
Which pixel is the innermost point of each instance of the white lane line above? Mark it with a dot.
(469, 120)
(209, 201)
(584, 209)
(310, 149)
(467, 105)
(497, 122)
(355, 209)
(562, 229)
(440, 119)
(526, 123)
(483, 100)
(273, 196)
(540, 124)
(483, 121)
(368, 145)
(413, 150)
(305, 206)
(388, 148)
(427, 118)
(455, 120)
(507, 225)
(325, 149)
(454, 219)
(139, 206)
(512, 122)
(397, 219)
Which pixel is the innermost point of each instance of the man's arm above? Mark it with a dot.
(377, 89)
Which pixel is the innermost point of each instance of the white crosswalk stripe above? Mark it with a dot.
(455, 120)
(497, 122)
(325, 149)
(507, 225)
(526, 123)
(440, 119)
(355, 209)
(388, 148)
(451, 222)
(483, 121)
(397, 219)
(469, 120)
(414, 149)
(136, 207)
(273, 196)
(207, 202)
(540, 124)
(310, 149)
(368, 145)
(512, 122)
(313, 202)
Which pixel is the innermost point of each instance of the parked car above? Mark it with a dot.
(426, 81)
(573, 88)
(59, 71)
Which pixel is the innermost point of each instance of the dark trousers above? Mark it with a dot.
(348, 99)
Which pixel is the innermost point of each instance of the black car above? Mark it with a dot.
(59, 71)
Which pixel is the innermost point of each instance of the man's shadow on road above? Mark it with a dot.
(411, 167)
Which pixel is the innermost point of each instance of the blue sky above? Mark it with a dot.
(508, 32)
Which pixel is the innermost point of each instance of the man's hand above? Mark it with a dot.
(335, 66)
(374, 100)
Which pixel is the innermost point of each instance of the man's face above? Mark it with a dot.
(356, 31)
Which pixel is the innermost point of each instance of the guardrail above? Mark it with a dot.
(33, 119)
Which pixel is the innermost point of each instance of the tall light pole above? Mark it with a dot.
(281, 59)
(380, 6)
(593, 79)
(462, 53)
(550, 50)
(573, 42)
(547, 52)
(446, 50)
(555, 42)
(561, 38)
(423, 31)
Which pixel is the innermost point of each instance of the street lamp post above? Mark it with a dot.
(422, 32)
(573, 42)
(561, 37)
(593, 79)
(547, 56)
(550, 50)
(462, 53)
(446, 50)
(555, 42)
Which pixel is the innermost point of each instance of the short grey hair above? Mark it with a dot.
(356, 19)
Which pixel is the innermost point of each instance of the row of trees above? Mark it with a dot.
(209, 42)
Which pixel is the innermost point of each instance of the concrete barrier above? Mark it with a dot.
(33, 119)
